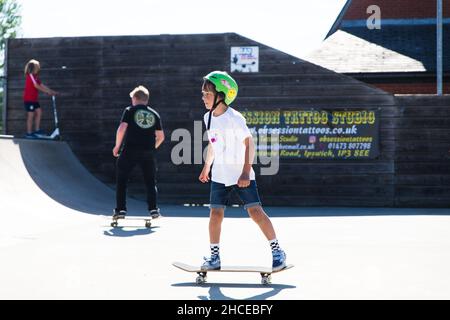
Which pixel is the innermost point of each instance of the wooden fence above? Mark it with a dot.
(95, 75)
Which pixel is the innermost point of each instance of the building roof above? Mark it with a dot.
(406, 41)
(396, 9)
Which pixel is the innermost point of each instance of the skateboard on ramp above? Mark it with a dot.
(146, 220)
(266, 273)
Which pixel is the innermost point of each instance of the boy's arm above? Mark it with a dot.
(159, 135)
(119, 137)
(244, 179)
(209, 156)
(249, 154)
(204, 175)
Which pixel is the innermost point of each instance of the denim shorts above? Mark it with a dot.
(220, 195)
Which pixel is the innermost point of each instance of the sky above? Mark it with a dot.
(296, 27)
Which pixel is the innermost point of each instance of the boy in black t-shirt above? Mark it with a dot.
(139, 134)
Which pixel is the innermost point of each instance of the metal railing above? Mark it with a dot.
(2, 103)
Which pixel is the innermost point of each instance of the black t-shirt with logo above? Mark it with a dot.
(142, 121)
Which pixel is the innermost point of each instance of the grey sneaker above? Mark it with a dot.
(30, 136)
(119, 214)
(39, 133)
(279, 260)
(155, 214)
(211, 263)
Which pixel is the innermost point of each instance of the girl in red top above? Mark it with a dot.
(30, 97)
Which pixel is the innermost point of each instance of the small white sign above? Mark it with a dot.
(244, 59)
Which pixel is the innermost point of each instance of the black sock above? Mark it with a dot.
(215, 248)
(274, 245)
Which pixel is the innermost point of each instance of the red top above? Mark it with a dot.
(30, 94)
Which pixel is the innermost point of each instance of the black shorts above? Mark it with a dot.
(31, 106)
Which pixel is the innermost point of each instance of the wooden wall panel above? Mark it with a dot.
(422, 175)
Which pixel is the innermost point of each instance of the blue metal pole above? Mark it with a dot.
(439, 49)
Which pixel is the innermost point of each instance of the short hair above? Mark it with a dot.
(210, 87)
(32, 66)
(140, 93)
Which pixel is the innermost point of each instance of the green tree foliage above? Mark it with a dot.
(10, 21)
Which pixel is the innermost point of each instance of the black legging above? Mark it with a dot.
(127, 160)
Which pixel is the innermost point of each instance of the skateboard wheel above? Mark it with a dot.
(200, 280)
(265, 280)
(113, 224)
(148, 224)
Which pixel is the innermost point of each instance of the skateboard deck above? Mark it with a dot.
(263, 271)
(147, 220)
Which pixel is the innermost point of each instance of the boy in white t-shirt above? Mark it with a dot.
(232, 150)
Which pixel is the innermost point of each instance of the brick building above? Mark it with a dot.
(400, 57)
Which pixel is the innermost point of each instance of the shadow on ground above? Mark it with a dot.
(239, 212)
(215, 292)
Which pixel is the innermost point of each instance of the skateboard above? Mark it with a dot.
(266, 273)
(115, 220)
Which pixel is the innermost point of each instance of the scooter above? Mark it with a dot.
(55, 134)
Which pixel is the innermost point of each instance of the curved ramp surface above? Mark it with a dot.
(50, 251)
(55, 172)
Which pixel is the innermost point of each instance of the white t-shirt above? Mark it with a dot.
(226, 136)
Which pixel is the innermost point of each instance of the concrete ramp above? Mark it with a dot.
(49, 249)
(31, 171)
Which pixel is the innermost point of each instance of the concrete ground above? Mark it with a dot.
(56, 242)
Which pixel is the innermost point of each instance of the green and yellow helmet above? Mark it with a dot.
(224, 83)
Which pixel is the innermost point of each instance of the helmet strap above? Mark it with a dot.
(215, 104)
